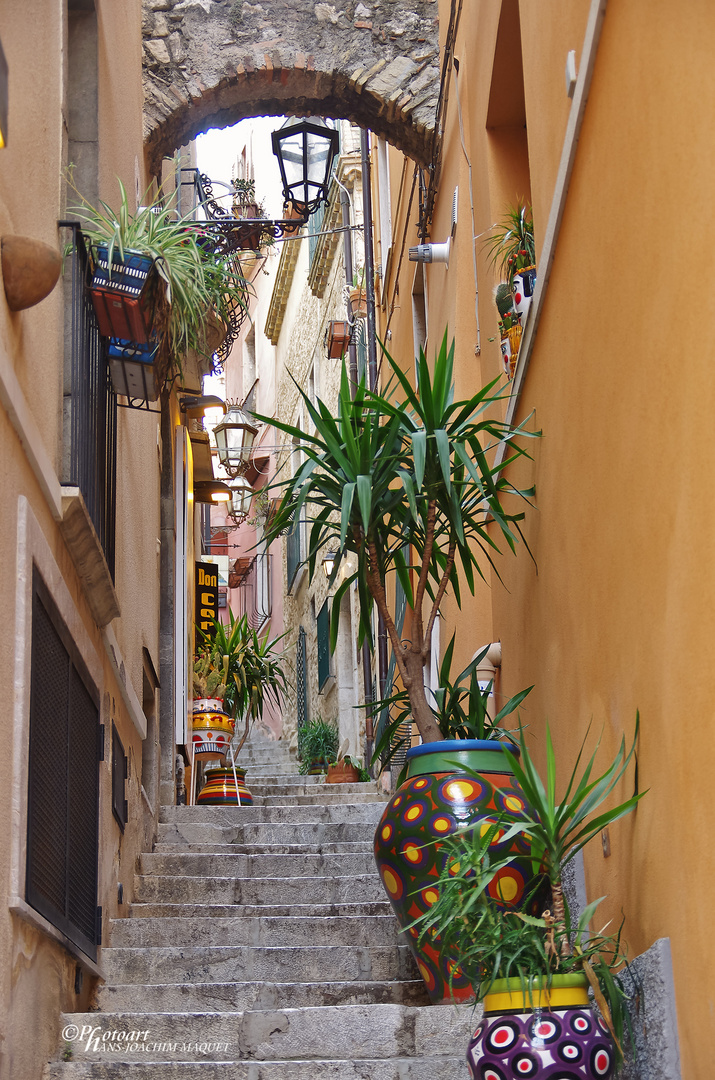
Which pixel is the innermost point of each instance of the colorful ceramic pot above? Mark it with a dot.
(221, 789)
(546, 1034)
(212, 729)
(437, 798)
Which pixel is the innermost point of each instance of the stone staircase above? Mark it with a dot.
(260, 946)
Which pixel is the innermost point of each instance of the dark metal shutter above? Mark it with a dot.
(323, 631)
(63, 786)
(119, 775)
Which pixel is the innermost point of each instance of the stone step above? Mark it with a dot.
(276, 890)
(189, 864)
(331, 1032)
(363, 847)
(302, 832)
(285, 930)
(338, 813)
(329, 795)
(225, 963)
(294, 788)
(402, 1068)
(228, 911)
(238, 996)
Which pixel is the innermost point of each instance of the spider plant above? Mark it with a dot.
(193, 281)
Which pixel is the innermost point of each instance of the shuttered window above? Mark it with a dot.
(323, 629)
(119, 776)
(63, 788)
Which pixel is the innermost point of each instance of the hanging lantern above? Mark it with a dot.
(234, 440)
(306, 151)
(241, 495)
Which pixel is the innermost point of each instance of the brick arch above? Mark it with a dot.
(213, 62)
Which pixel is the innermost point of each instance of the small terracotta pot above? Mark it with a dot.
(342, 773)
(30, 270)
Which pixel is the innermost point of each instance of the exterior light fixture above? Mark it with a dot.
(197, 406)
(306, 151)
(329, 563)
(4, 98)
(211, 491)
(241, 495)
(234, 440)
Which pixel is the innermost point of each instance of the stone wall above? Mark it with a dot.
(213, 62)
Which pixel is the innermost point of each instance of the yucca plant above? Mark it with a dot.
(401, 467)
(193, 281)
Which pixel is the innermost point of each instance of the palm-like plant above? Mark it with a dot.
(404, 467)
(511, 246)
(255, 669)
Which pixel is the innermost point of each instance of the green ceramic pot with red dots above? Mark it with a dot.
(441, 795)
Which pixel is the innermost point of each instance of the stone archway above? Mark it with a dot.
(214, 62)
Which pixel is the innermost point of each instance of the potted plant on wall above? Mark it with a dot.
(357, 296)
(512, 252)
(401, 480)
(534, 973)
(153, 286)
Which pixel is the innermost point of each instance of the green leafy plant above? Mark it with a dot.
(252, 668)
(191, 281)
(317, 744)
(405, 466)
(511, 246)
(489, 943)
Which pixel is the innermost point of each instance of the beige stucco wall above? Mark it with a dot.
(614, 614)
(37, 973)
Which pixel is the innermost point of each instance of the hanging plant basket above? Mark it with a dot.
(133, 369)
(120, 297)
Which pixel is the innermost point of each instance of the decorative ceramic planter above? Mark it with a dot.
(120, 298)
(523, 289)
(437, 798)
(510, 342)
(546, 1034)
(220, 788)
(212, 729)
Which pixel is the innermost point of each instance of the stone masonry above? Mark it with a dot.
(214, 62)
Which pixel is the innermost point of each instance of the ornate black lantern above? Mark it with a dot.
(306, 151)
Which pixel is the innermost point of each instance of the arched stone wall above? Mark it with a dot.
(214, 62)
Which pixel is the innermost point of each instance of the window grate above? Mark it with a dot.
(63, 780)
(301, 680)
(90, 461)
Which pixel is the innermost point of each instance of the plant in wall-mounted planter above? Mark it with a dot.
(246, 207)
(317, 746)
(513, 253)
(358, 295)
(533, 974)
(401, 481)
(153, 284)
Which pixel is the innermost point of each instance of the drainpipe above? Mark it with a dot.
(348, 260)
(487, 671)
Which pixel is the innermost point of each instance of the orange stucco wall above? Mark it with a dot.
(615, 613)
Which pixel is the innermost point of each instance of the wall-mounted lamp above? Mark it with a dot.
(211, 491)
(197, 406)
(234, 440)
(4, 98)
(306, 150)
(241, 495)
(328, 563)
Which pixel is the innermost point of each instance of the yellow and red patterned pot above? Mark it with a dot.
(220, 788)
(212, 728)
(439, 797)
